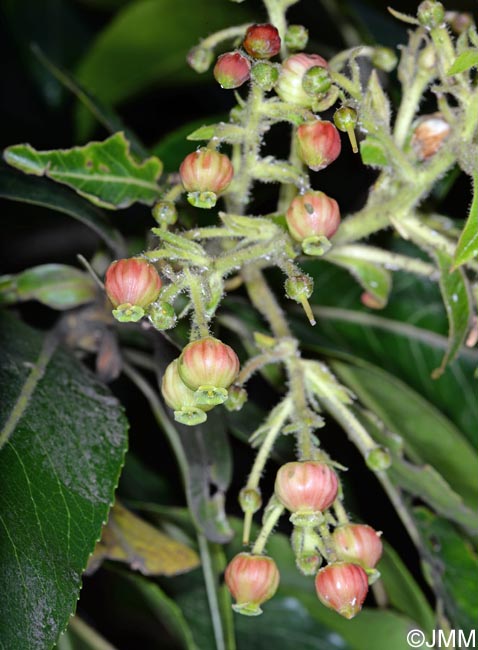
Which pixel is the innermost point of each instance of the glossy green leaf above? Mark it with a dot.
(403, 592)
(64, 441)
(147, 43)
(453, 566)
(104, 114)
(374, 279)
(464, 61)
(467, 247)
(39, 191)
(103, 172)
(457, 299)
(56, 285)
(429, 438)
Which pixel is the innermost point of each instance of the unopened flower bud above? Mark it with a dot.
(232, 69)
(131, 285)
(296, 37)
(306, 489)
(431, 13)
(429, 135)
(252, 580)
(314, 214)
(250, 500)
(265, 75)
(299, 288)
(378, 459)
(358, 543)
(181, 398)
(305, 544)
(345, 119)
(162, 315)
(343, 587)
(316, 80)
(289, 87)
(458, 21)
(164, 212)
(384, 59)
(205, 173)
(262, 41)
(200, 58)
(319, 144)
(236, 398)
(208, 366)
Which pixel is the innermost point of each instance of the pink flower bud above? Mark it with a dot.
(313, 214)
(208, 362)
(358, 543)
(262, 41)
(251, 579)
(429, 135)
(232, 69)
(206, 170)
(307, 486)
(289, 87)
(319, 144)
(132, 281)
(343, 587)
(180, 398)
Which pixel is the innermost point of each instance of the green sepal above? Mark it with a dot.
(317, 245)
(210, 396)
(128, 313)
(204, 200)
(190, 416)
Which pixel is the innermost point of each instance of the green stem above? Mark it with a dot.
(392, 261)
(236, 258)
(196, 293)
(223, 35)
(273, 514)
(265, 302)
(210, 581)
(50, 344)
(340, 512)
(276, 11)
(411, 97)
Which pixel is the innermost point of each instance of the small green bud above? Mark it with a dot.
(431, 13)
(265, 75)
(345, 118)
(162, 315)
(164, 212)
(379, 459)
(316, 80)
(384, 59)
(250, 500)
(296, 37)
(299, 287)
(305, 543)
(200, 59)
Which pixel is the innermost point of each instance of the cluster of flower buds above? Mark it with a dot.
(307, 489)
(199, 379)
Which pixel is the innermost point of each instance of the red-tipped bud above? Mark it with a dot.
(289, 87)
(252, 580)
(204, 174)
(306, 487)
(319, 144)
(262, 41)
(132, 283)
(232, 69)
(343, 587)
(358, 543)
(314, 214)
(429, 135)
(181, 398)
(209, 367)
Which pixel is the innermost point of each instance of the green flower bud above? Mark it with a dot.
(162, 315)
(299, 287)
(316, 80)
(236, 398)
(431, 13)
(164, 212)
(296, 37)
(379, 459)
(305, 543)
(250, 500)
(265, 75)
(200, 59)
(384, 59)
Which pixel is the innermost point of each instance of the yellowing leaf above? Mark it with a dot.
(127, 538)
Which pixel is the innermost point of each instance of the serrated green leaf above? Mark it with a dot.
(374, 279)
(373, 153)
(103, 172)
(39, 191)
(429, 438)
(464, 61)
(467, 247)
(65, 439)
(454, 567)
(457, 300)
(56, 285)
